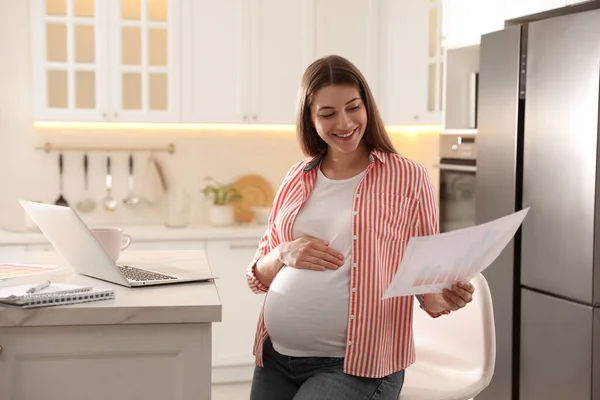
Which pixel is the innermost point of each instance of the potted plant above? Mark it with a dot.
(221, 212)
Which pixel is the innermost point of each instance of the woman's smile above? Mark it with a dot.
(346, 134)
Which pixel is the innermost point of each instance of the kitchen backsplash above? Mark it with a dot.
(34, 174)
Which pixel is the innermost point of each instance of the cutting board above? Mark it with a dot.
(256, 191)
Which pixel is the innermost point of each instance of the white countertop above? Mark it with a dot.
(141, 233)
(196, 302)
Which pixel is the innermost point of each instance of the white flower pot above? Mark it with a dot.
(221, 215)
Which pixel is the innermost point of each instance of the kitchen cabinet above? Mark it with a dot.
(464, 21)
(243, 60)
(151, 361)
(252, 73)
(105, 61)
(413, 62)
(233, 337)
(282, 46)
(215, 66)
(351, 29)
(229, 61)
(520, 8)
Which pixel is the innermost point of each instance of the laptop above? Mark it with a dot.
(72, 239)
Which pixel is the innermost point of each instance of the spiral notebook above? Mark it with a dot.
(54, 295)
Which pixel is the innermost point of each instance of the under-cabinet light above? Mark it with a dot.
(165, 126)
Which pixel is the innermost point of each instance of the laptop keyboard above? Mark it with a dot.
(140, 275)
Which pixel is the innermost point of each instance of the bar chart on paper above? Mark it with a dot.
(432, 263)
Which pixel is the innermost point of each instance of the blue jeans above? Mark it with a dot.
(315, 378)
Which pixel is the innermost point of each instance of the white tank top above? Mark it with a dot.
(306, 312)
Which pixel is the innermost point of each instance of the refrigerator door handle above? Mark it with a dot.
(473, 81)
(459, 168)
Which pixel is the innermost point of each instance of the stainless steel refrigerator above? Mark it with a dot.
(538, 127)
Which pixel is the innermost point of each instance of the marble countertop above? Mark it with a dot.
(196, 302)
(141, 233)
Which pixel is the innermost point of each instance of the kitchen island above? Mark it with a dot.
(147, 343)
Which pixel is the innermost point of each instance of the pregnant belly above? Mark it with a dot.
(306, 312)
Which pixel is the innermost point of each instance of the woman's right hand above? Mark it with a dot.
(310, 253)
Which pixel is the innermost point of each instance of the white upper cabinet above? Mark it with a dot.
(215, 61)
(413, 61)
(351, 29)
(520, 8)
(282, 46)
(69, 60)
(144, 60)
(244, 59)
(114, 60)
(464, 21)
(228, 61)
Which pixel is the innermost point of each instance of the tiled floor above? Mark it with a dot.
(233, 391)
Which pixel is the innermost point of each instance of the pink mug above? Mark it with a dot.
(111, 240)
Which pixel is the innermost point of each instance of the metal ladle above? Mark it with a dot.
(109, 202)
(87, 204)
(131, 199)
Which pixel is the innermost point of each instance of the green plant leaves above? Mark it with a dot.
(220, 194)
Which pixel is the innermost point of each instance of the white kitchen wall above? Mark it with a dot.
(33, 174)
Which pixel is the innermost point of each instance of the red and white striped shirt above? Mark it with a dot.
(393, 202)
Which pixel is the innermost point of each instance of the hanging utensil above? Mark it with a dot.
(109, 202)
(131, 198)
(61, 201)
(87, 204)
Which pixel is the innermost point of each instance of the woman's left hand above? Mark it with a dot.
(458, 296)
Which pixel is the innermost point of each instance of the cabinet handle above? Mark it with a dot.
(245, 117)
(104, 115)
(254, 117)
(116, 115)
(0, 350)
(416, 117)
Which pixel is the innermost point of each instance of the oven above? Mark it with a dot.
(457, 168)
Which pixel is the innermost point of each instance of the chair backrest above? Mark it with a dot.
(463, 341)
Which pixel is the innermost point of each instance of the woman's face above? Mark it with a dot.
(339, 116)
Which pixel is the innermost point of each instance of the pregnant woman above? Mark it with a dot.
(340, 223)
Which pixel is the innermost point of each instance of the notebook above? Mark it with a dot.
(54, 295)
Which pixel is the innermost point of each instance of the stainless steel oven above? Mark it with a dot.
(458, 169)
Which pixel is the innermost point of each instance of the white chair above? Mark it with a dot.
(455, 353)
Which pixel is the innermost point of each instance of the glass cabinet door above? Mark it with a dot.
(144, 53)
(435, 63)
(413, 61)
(69, 60)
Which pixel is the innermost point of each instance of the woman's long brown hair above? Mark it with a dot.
(336, 70)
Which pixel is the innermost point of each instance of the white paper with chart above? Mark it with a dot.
(432, 263)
